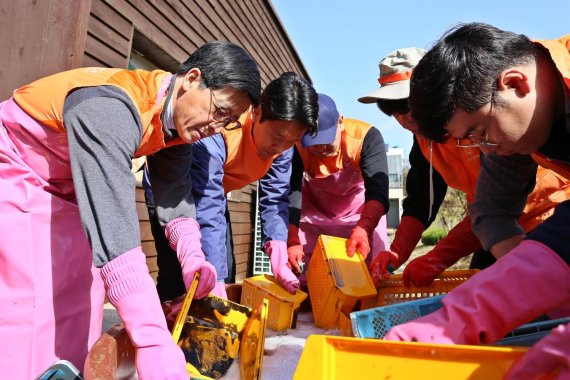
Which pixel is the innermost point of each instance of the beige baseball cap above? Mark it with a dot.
(395, 73)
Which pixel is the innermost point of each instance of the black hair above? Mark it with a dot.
(393, 106)
(225, 64)
(460, 72)
(291, 98)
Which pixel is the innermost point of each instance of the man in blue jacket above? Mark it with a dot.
(257, 147)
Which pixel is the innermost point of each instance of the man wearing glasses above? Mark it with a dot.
(434, 167)
(255, 147)
(514, 93)
(69, 232)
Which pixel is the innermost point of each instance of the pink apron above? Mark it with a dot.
(332, 206)
(51, 295)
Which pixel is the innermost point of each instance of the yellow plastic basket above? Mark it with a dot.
(283, 306)
(330, 358)
(335, 281)
(392, 290)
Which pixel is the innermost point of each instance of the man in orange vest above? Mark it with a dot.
(434, 167)
(509, 96)
(339, 187)
(69, 223)
(259, 148)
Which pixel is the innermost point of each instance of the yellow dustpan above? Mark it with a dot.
(253, 343)
(179, 323)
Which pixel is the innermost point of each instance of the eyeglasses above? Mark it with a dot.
(479, 139)
(222, 115)
(476, 140)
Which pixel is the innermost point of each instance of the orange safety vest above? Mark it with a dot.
(43, 99)
(352, 138)
(459, 167)
(243, 164)
(550, 189)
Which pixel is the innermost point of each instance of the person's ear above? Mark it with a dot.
(340, 119)
(514, 79)
(256, 113)
(192, 78)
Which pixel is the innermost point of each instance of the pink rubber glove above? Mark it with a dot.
(460, 242)
(408, 235)
(132, 291)
(526, 283)
(277, 251)
(220, 290)
(184, 237)
(295, 251)
(551, 355)
(361, 235)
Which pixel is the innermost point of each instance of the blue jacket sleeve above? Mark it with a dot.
(274, 200)
(209, 155)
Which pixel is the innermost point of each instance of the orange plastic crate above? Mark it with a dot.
(335, 281)
(345, 324)
(392, 290)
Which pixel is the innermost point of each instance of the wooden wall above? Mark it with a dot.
(39, 39)
(47, 36)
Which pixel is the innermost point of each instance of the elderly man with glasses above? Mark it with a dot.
(528, 119)
(69, 226)
(255, 147)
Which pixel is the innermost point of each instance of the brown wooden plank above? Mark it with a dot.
(146, 234)
(241, 269)
(112, 18)
(104, 53)
(168, 24)
(139, 194)
(111, 38)
(150, 30)
(240, 27)
(274, 34)
(241, 249)
(188, 23)
(241, 258)
(242, 239)
(240, 217)
(241, 228)
(39, 40)
(149, 248)
(151, 264)
(254, 45)
(142, 211)
(89, 61)
(286, 41)
(276, 56)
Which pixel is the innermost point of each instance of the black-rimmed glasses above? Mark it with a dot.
(222, 115)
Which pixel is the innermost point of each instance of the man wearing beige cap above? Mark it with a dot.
(434, 167)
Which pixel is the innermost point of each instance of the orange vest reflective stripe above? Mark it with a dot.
(352, 138)
(43, 99)
(243, 164)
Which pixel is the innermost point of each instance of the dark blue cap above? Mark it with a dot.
(327, 123)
